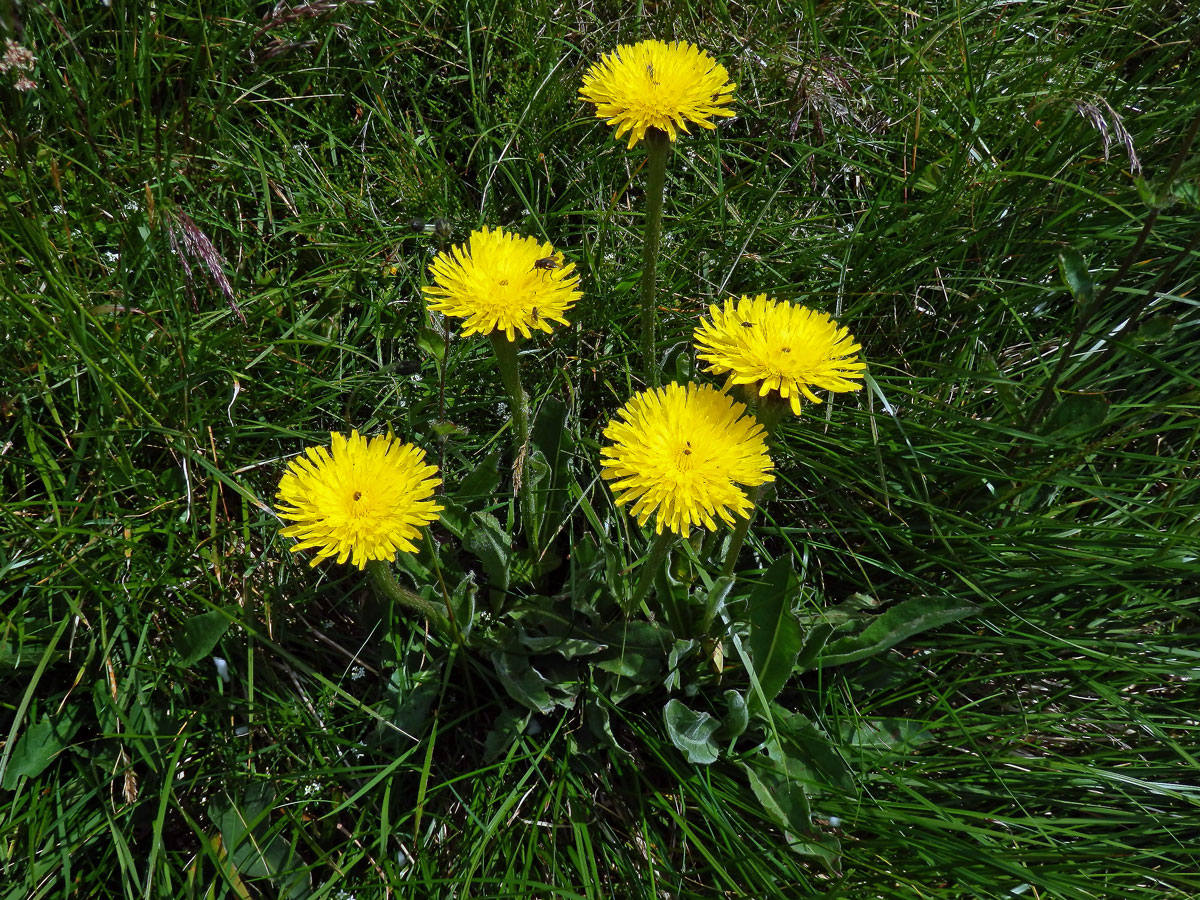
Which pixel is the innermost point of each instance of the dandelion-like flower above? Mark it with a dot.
(499, 281)
(680, 453)
(654, 84)
(779, 347)
(358, 500)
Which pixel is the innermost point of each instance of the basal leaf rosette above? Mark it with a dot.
(779, 347)
(654, 84)
(680, 453)
(358, 499)
(500, 281)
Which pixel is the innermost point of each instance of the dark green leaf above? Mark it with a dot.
(1077, 413)
(1075, 275)
(410, 699)
(680, 651)
(1187, 193)
(491, 544)
(539, 477)
(551, 438)
(253, 849)
(814, 642)
(781, 796)
(714, 600)
(800, 741)
(825, 847)
(35, 749)
(775, 636)
(462, 603)
(1145, 192)
(1157, 328)
(737, 716)
(483, 479)
(197, 636)
(524, 683)
(598, 716)
(881, 734)
(691, 732)
(509, 725)
(893, 626)
(564, 646)
(432, 343)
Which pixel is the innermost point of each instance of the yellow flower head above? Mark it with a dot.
(654, 84)
(680, 453)
(779, 347)
(499, 281)
(358, 500)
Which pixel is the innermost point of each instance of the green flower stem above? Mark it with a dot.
(769, 411)
(506, 356)
(654, 561)
(658, 148)
(385, 582)
(739, 533)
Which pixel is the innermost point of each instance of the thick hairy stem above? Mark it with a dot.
(385, 582)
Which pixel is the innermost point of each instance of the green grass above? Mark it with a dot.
(918, 173)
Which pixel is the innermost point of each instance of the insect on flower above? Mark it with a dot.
(546, 263)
